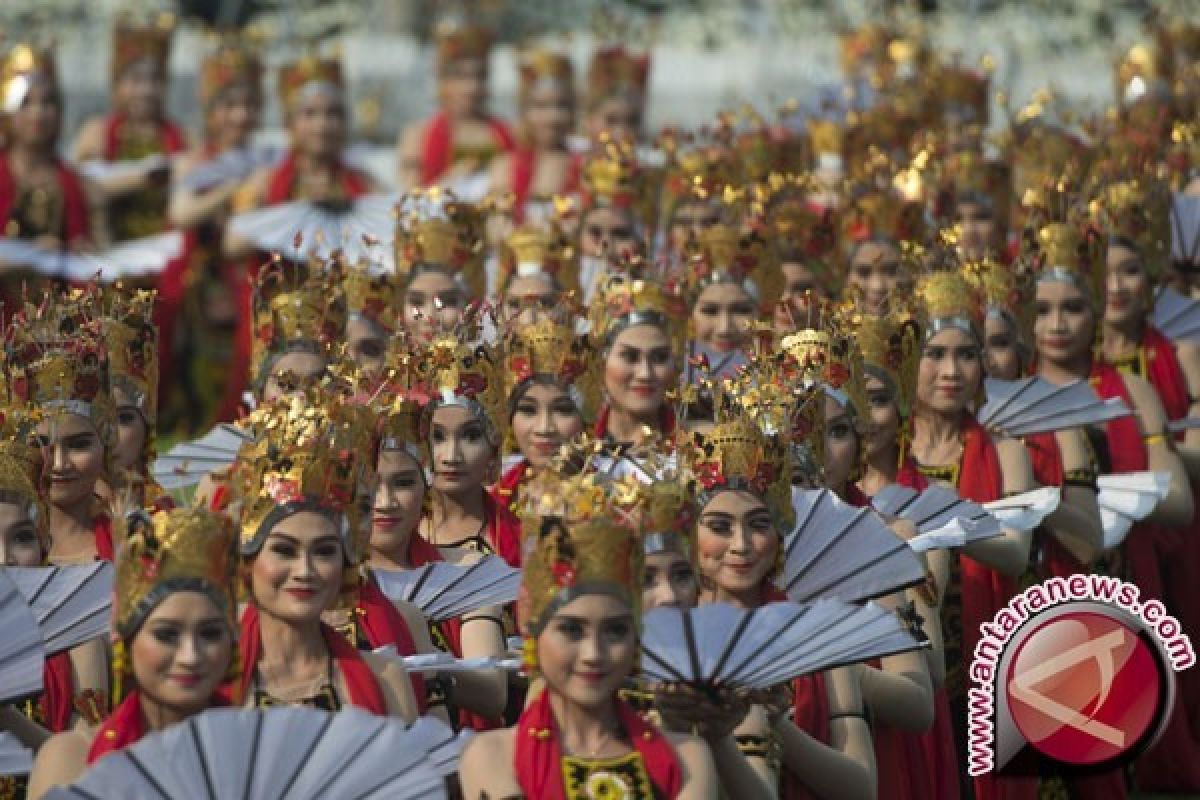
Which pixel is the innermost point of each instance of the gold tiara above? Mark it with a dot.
(297, 307)
(539, 64)
(624, 299)
(133, 42)
(721, 252)
(233, 62)
(537, 250)
(579, 536)
(184, 549)
(436, 229)
(132, 339)
(1139, 212)
(371, 296)
(309, 68)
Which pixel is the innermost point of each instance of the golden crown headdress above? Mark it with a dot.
(309, 454)
(969, 177)
(397, 400)
(22, 64)
(946, 299)
(231, 63)
(737, 454)
(132, 339)
(308, 69)
(459, 42)
(533, 250)
(436, 229)
(891, 349)
(579, 536)
(826, 138)
(1069, 252)
(962, 91)
(133, 42)
(799, 231)
(455, 368)
(539, 64)
(1139, 70)
(611, 176)
(881, 213)
(57, 361)
(697, 173)
(723, 253)
(372, 296)
(832, 357)
(18, 427)
(628, 297)
(184, 549)
(614, 71)
(1003, 290)
(297, 308)
(1136, 212)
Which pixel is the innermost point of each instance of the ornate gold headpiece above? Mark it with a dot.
(308, 69)
(537, 250)
(881, 213)
(969, 177)
(891, 349)
(23, 64)
(1137, 212)
(946, 299)
(455, 369)
(1066, 251)
(297, 309)
(132, 339)
(962, 92)
(372, 296)
(798, 231)
(736, 454)
(309, 454)
(614, 71)
(579, 536)
(611, 176)
(436, 229)
(233, 62)
(624, 300)
(184, 549)
(1004, 291)
(19, 486)
(459, 42)
(133, 42)
(697, 173)
(722, 253)
(538, 64)
(57, 361)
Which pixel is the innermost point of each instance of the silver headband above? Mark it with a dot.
(940, 324)
(664, 542)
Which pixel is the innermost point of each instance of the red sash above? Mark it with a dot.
(75, 208)
(102, 529)
(1165, 374)
(58, 693)
(383, 625)
(123, 727)
(503, 530)
(854, 496)
(538, 757)
(439, 144)
(507, 488)
(360, 681)
(908, 475)
(170, 137)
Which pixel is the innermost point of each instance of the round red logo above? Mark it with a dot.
(1083, 688)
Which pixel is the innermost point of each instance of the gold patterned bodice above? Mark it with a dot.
(144, 212)
(38, 211)
(623, 778)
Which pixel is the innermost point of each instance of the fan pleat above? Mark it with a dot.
(22, 653)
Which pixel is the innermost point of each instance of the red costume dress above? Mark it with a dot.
(439, 151)
(650, 772)
(524, 163)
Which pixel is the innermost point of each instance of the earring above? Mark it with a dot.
(529, 659)
(120, 669)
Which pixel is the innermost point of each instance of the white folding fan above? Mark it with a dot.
(941, 517)
(1183, 424)
(289, 752)
(720, 645)
(838, 551)
(1175, 315)
(355, 229)
(22, 653)
(1185, 227)
(187, 463)
(15, 758)
(1127, 498)
(132, 258)
(99, 169)
(232, 165)
(1034, 405)
(1025, 511)
(444, 591)
(72, 604)
(445, 662)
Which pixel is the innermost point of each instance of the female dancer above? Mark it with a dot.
(59, 371)
(397, 508)
(76, 680)
(612, 218)
(744, 501)
(41, 198)
(197, 316)
(299, 521)
(873, 226)
(540, 167)
(174, 634)
(638, 326)
(579, 614)
(615, 103)
(461, 138)
(137, 128)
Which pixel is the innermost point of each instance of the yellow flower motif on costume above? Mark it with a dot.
(606, 786)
